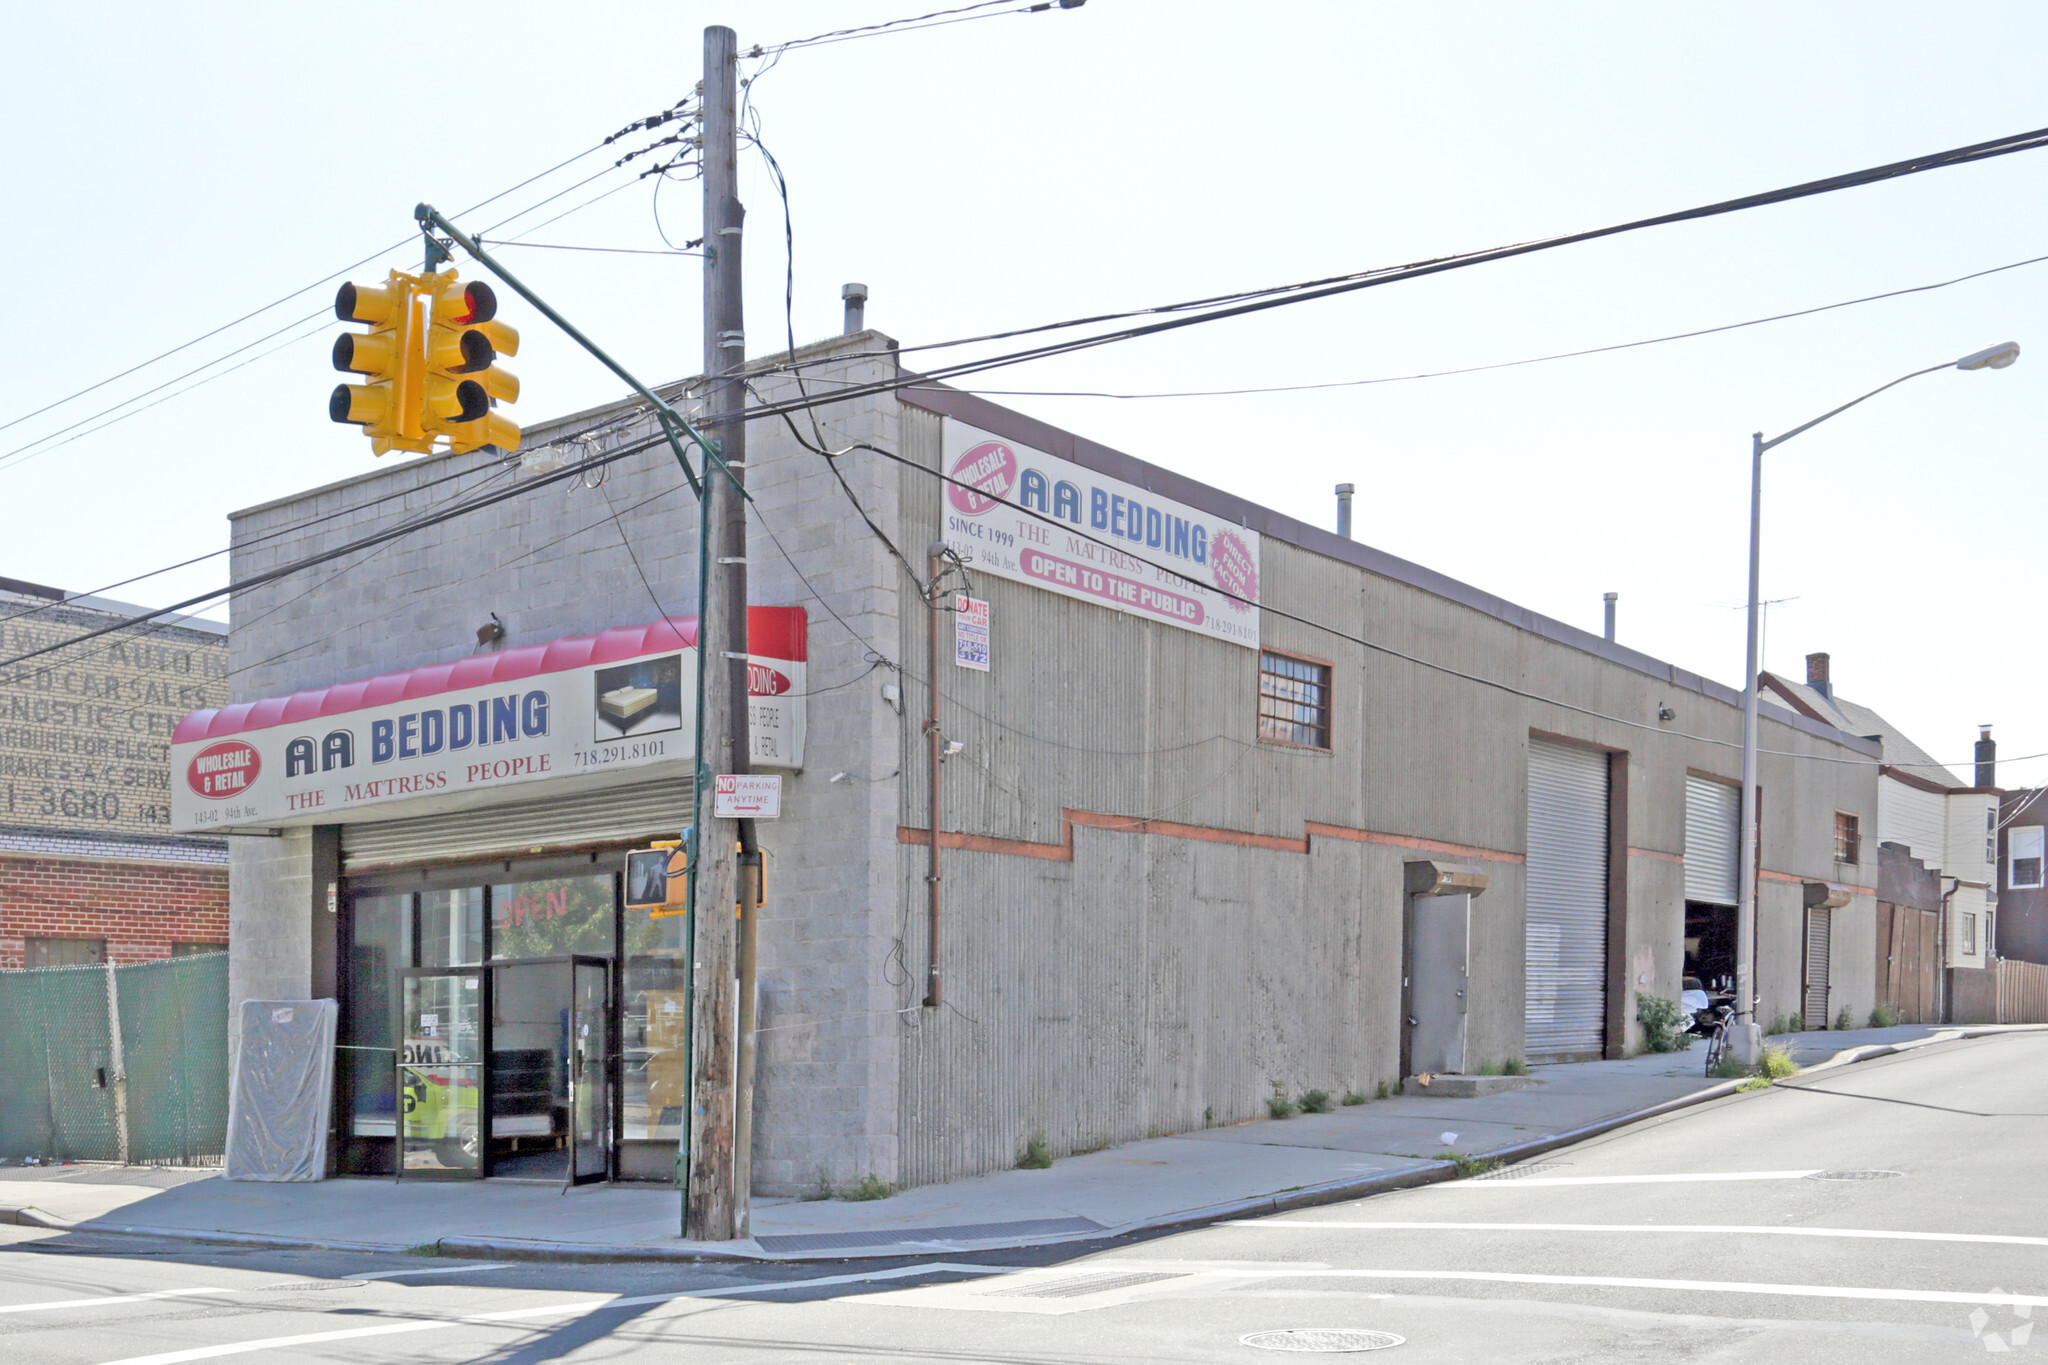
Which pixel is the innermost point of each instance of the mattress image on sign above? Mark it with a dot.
(641, 698)
(624, 704)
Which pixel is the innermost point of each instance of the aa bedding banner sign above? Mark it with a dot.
(1037, 519)
(597, 708)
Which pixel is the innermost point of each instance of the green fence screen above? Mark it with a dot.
(60, 1086)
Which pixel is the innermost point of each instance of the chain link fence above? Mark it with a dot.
(122, 1063)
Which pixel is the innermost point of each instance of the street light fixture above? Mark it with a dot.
(1746, 1038)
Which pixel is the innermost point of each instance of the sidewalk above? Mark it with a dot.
(1243, 1170)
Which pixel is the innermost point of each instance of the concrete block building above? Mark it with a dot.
(1228, 798)
(90, 871)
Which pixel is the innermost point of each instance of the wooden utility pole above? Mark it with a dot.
(716, 1203)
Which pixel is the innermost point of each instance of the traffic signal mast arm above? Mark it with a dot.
(674, 425)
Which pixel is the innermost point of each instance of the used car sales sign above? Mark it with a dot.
(596, 709)
(1022, 514)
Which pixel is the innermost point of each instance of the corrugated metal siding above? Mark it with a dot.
(1918, 819)
(603, 816)
(1567, 902)
(1820, 929)
(1713, 829)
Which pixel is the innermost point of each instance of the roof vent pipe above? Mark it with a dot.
(1609, 598)
(1987, 757)
(1344, 492)
(856, 296)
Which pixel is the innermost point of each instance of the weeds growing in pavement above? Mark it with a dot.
(1844, 1021)
(1756, 1083)
(1775, 1063)
(1884, 1016)
(1278, 1105)
(1469, 1166)
(1354, 1097)
(1730, 1068)
(1663, 1022)
(1314, 1101)
(869, 1186)
(1037, 1154)
(1385, 1089)
(822, 1190)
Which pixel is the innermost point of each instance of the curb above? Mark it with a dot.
(1429, 1173)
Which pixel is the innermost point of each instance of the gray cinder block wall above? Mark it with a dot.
(1161, 917)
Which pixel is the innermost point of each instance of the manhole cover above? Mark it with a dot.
(1517, 1172)
(1855, 1175)
(1322, 1339)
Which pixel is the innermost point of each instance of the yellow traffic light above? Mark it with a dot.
(462, 382)
(388, 406)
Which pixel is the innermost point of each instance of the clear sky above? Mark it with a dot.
(172, 168)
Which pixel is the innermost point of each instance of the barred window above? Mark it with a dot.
(1294, 701)
(1848, 838)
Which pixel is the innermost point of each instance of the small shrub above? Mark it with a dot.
(1278, 1105)
(1037, 1154)
(1776, 1064)
(1514, 1066)
(1787, 1023)
(1385, 1089)
(1845, 1020)
(1729, 1068)
(869, 1186)
(1354, 1097)
(1884, 1016)
(1663, 1022)
(1314, 1101)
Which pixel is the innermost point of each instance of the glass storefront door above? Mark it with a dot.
(590, 1071)
(440, 1071)
(510, 1020)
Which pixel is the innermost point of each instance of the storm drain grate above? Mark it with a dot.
(1076, 1285)
(1517, 1172)
(1855, 1175)
(1322, 1339)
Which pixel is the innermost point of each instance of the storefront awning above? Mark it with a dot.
(578, 710)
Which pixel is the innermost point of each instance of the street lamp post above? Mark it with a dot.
(1747, 1038)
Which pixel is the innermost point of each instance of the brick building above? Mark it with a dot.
(89, 870)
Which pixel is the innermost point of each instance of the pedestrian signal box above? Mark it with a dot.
(658, 879)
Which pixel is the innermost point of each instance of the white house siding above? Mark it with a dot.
(1918, 819)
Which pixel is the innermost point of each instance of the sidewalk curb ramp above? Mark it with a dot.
(748, 1251)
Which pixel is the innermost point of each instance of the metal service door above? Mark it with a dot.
(1566, 985)
(440, 1072)
(1440, 933)
(590, 1071)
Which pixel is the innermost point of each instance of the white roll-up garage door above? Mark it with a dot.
(1567, 910)
(1820, 942)
(1713, 824)
(610, 814)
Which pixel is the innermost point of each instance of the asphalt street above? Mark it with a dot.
(1890, 1211)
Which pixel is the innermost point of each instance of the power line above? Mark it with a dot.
(1527, 360)
(1291, 294)
(46, 439)
(226, 326)
(936, 19)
